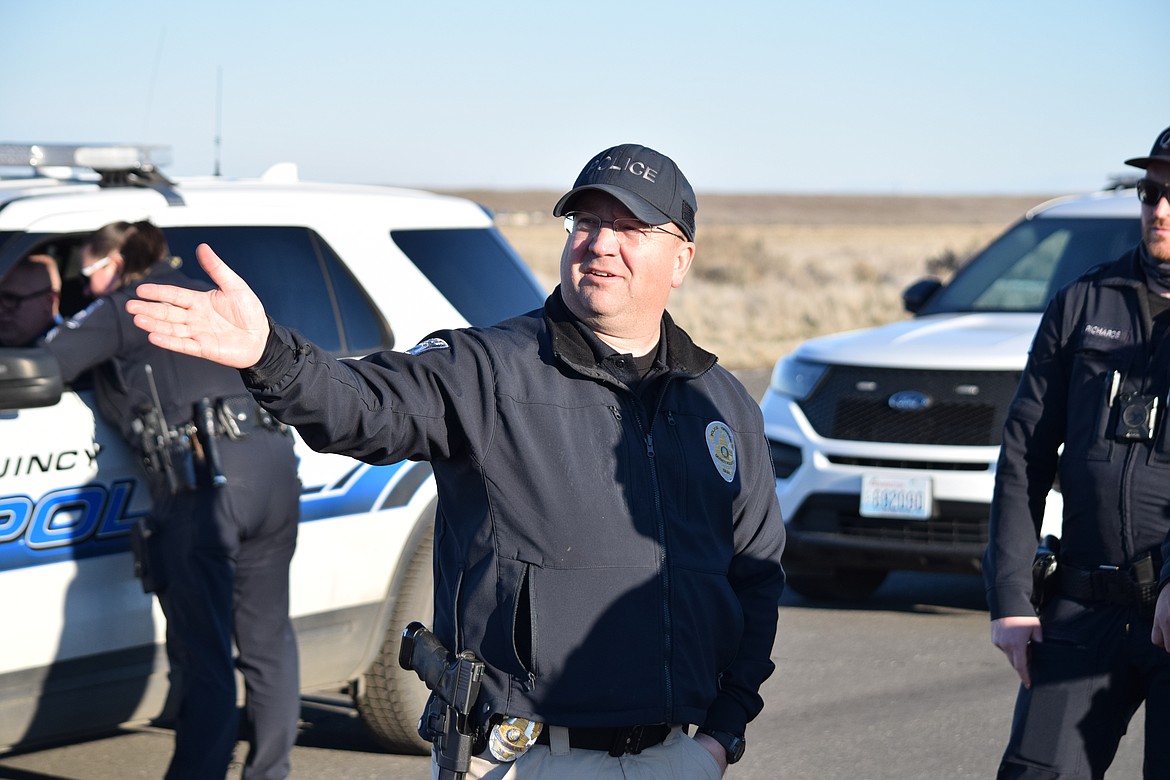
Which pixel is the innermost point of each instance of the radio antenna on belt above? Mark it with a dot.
(154, 394)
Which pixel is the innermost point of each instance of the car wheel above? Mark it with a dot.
(836, 584)
(392, 698)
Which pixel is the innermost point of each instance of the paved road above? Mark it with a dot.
(904, 686)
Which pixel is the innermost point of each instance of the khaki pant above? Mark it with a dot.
(678, 758)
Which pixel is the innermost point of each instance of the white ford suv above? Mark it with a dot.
(885, 440)
(356, 269)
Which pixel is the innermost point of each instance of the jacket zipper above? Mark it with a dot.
(1145, 327)
(647, 432)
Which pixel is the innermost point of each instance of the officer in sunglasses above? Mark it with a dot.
(1097, 383)
(29, 301)
(30, 296)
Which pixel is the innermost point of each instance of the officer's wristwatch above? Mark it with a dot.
(733, 744)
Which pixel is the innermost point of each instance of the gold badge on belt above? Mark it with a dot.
(511, 738)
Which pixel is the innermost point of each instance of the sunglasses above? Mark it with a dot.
(96, 266)
(10, 300)
(1151, 192)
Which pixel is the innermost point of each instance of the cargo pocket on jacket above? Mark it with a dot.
(516, 600)
(523, 635)
(1102, 384)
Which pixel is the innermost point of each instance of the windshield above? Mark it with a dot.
(1022, 269)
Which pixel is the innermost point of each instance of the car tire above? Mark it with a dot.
(392, 699)
(836, 584)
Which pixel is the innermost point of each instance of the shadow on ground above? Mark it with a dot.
(909, 592)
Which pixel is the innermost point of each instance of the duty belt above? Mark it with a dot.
(1136, 585)
(238, 415)
(618, 742)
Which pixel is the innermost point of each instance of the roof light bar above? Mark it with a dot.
(99, 157)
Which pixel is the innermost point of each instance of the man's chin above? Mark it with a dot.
(1159, 247)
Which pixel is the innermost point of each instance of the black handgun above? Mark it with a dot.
(454, 681)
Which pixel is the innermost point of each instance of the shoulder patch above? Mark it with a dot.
(76, 321)
(428, 345)
(721, 445)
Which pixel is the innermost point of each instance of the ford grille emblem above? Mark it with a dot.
(910, 401)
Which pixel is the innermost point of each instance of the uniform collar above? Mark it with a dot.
(570, 343)
(1125, 271)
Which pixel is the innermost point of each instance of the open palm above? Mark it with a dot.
(226, 325)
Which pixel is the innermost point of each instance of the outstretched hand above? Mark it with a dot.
(226, 325)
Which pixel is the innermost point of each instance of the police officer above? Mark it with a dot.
(1096, 382)
(30, 295)
(608, 537)
(224, 521)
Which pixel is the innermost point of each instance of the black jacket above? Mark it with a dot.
(1116, 492)
(611, 564)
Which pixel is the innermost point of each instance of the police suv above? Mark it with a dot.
(885, 440)
(356, 269)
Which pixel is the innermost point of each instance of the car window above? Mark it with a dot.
(4, 236)
(364, 328)
(474, 269)
(300, 280)
(1023, 269)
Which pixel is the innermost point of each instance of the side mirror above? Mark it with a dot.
(29, 378)
(916, 295)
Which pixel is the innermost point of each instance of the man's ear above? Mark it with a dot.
(682, 262)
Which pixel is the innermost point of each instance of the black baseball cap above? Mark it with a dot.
(1160, 152)
(647, 182)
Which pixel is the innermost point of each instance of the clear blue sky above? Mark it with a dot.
(866, 96)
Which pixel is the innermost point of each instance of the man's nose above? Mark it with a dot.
(605, 241)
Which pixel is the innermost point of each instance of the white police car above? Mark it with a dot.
(357, 269)
(885, 440)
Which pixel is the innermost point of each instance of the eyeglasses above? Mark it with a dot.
(1151, 192)
(582, 225)
(9, 300)
(93, 268)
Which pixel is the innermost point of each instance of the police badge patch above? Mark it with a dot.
(428, 345)
(721, 445)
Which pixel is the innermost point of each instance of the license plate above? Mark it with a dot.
(895, 497)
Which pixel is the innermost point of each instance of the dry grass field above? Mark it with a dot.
(773, 270)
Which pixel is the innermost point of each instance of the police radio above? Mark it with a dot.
(166, 451)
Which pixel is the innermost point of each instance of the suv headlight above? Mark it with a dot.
(797, 378)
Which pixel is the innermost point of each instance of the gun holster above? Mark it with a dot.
(147, 560)
(1045, 581)
(454, 682)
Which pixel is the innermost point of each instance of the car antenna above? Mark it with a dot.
(149, 108)
(218, 113)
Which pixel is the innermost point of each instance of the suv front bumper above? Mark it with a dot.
(819, 488)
